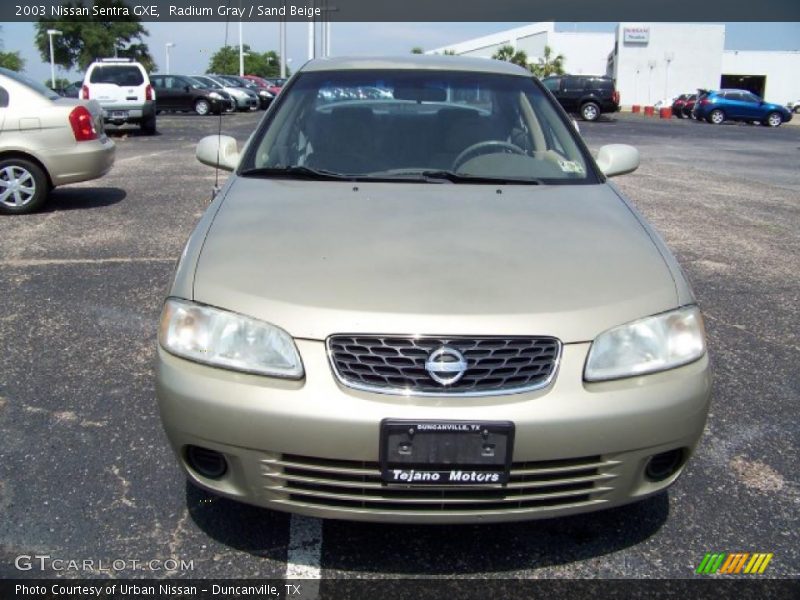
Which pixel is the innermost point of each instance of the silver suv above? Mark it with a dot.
(123, 89)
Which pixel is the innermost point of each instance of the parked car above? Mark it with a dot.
(433, 308)
(123, 89)
(688, 106)
(739, 105)
(72, 90)
(265, 98)
(268, 84)
(794, 106)
(678, 105)
(181, 93)
(244, 98)
(46, 141)
(586, 95)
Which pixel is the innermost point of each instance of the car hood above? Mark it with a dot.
(318, 258)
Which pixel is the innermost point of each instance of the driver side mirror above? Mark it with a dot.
(187, 88)
(617, 159)
(218, 151)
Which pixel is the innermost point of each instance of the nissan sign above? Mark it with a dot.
(636, 35)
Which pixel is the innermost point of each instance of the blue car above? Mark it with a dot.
(738, 105)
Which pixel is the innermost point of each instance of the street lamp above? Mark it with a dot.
(167, 46)
(651, 65)
(668, 57)
(50, 34)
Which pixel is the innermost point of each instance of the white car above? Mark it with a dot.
(794, 106)
(123, 89)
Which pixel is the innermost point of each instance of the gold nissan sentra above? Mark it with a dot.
(419, 299)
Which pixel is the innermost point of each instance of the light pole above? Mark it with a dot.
(668, 57)
(651, 65)
(50, 34)
(282, 49)
(167, 46)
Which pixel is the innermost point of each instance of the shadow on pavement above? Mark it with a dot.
(506, 548)
(257, 531)
(72, 198)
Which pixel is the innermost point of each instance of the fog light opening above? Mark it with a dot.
(208, 463)
(666, 464)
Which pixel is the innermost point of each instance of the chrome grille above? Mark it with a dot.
(358, 485)
(396, 364)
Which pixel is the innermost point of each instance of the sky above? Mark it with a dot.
(196, 42)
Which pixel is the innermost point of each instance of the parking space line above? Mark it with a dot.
(304, 554)
(37, 262)
(159, 153)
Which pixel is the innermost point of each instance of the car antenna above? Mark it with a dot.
(216, 188)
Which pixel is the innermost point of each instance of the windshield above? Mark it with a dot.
(418, 125)
(207, 82)
(31, 83)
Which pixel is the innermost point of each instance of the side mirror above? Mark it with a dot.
(187, 88)
(617, 159)
(218, 151)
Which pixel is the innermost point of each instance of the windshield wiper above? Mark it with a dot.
(454, 177)
(295, 172)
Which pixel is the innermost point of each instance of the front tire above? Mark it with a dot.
(590, 111)
(716, 117)
(773, 120)
(202, 107)
(23, 186)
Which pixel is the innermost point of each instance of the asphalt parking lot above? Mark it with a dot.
(87, 473)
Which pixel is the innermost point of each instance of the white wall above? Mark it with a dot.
(696, 61)
(486, 45)
(585, 53)
(782, 70)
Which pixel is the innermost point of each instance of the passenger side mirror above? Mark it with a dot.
(187, 88)
(617, 159)
(218, 151)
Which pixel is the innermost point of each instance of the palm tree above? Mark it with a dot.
(510, 54)
(549, 64)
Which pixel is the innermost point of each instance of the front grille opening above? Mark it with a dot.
(358, 484)
(393, 364)
(472, 507)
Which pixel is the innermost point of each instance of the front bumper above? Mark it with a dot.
(311, 446)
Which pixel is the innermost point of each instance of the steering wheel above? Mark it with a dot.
(481, 148)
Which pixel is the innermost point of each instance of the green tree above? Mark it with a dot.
(449, 52)
(549, 64)
(225, 61)
(12, 61)
(509, 54)
(417, 50)
(61, 83)
(84, 39)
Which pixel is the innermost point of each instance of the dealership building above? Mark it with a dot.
(652, 61)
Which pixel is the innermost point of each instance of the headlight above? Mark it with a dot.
(238, 93)
(652, 344)
(215, 96)
(264, 93)
(226, 339)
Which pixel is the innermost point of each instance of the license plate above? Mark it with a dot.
(119, 114)
(446, 453)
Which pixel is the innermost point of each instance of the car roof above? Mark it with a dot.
(416, 62)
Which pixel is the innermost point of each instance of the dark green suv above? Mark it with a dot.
(586, 95)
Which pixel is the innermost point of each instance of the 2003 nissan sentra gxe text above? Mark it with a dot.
(418, 299)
